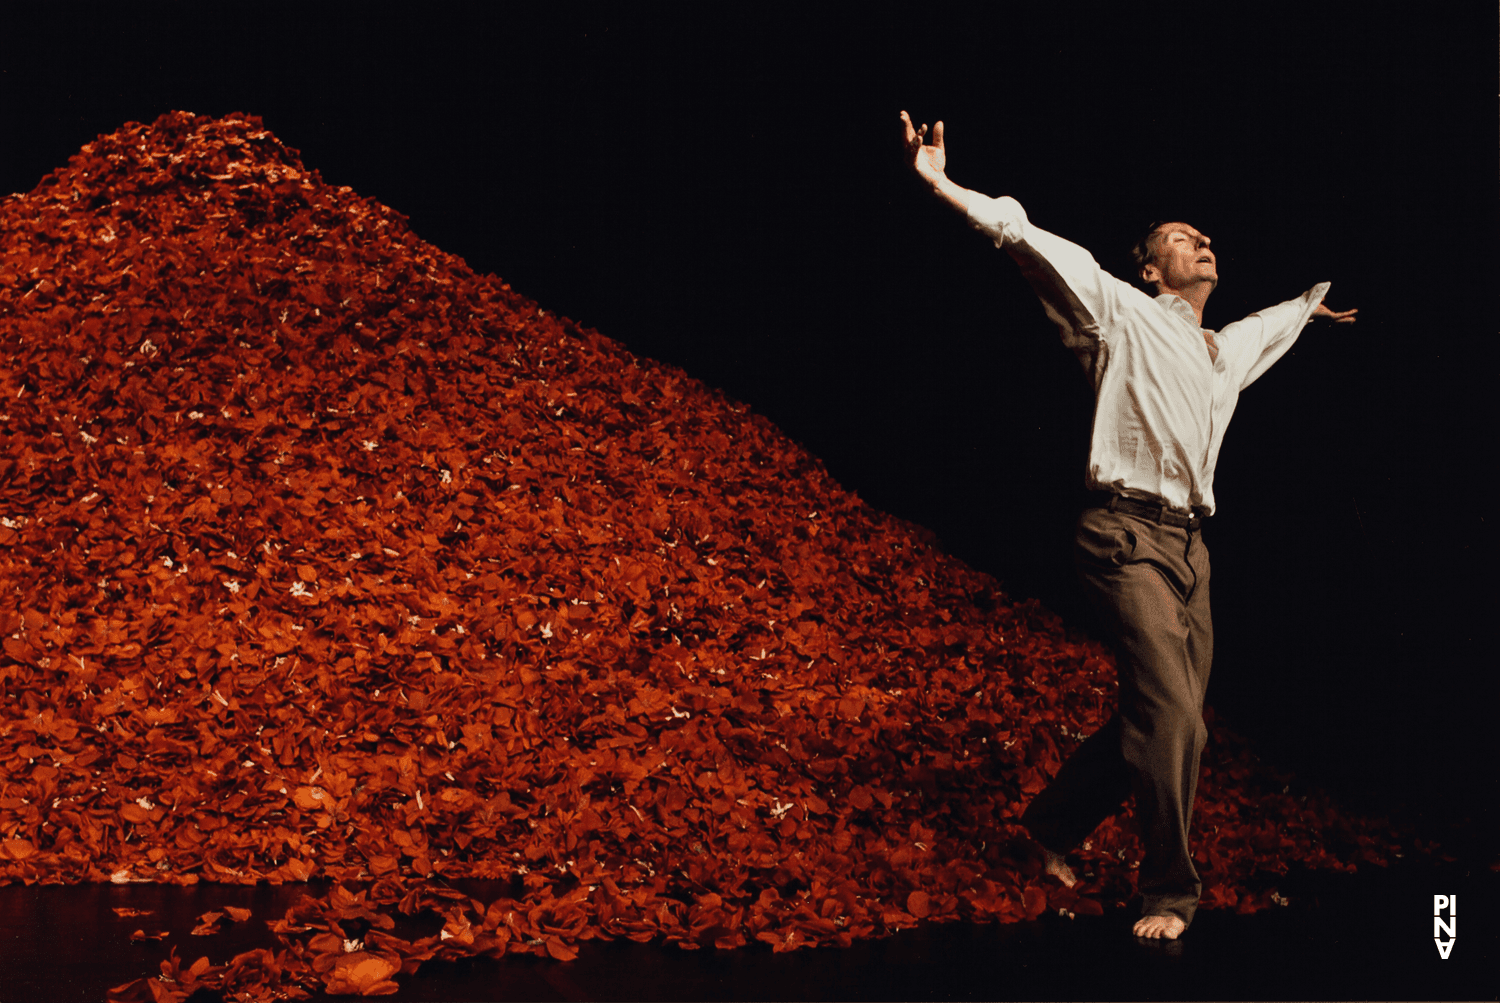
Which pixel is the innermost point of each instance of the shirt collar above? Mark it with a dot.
(1179, 306)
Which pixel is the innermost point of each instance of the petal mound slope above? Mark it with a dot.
(323, 556)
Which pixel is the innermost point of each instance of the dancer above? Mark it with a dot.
(1164, 389)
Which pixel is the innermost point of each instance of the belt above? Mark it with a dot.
(1155, 511)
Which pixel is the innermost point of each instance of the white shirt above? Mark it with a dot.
(1161, 403)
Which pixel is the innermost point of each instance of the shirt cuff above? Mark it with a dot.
(1310, 301)
(1002, 219)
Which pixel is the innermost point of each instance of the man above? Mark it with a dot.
(1165, 387)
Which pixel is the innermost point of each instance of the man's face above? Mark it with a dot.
(1182, 259)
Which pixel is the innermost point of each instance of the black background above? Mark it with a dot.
(720, 187)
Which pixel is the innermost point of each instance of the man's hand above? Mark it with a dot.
(928, 161)
(1337, 316)
(931, 163)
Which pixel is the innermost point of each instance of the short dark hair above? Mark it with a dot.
(1141, 254)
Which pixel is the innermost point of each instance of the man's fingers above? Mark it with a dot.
(1337, 316)
(916, 136)
(912, 135)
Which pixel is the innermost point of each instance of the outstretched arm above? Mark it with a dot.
(1337, 316)
(931, 164)
(1266, 335)
(1079, 296)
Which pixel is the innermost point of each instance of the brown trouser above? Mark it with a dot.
(1149, 583)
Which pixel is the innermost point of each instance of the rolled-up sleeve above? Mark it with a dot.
(1276, 332)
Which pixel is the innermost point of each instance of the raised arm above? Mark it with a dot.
(1081, 298)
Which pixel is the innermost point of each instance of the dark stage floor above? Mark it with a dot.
(1365, 936)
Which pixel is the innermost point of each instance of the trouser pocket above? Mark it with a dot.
(1104, 541)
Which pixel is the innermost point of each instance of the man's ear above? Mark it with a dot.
(1150, 274)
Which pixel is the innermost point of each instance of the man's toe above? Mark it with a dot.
(1158, 927)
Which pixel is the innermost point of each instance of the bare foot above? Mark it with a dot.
(1159, 927)
(1059, 869)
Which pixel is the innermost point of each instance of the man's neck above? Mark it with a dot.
(1196, 295)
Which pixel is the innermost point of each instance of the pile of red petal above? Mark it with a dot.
(322, 556)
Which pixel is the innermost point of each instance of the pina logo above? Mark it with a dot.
(1441, 926)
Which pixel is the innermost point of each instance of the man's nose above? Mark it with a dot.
(1203, 241)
